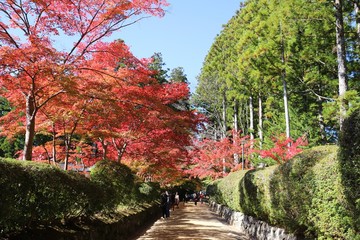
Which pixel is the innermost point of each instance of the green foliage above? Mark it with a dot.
(353, 98)
(40, 193)
(302, 125)
(4, 106)
(9, 148)
(191, 185)
(328, 212)
(5, 148)
(42, 139)
(349, 157)
(305, 195)
(262, 46)
(257, 160)
(149, 190)
(116, 179)
(178, 75)
(157, 65)
(254, 189)
(230, 190)
(34, 194)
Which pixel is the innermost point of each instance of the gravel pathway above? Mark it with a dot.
(191, 221)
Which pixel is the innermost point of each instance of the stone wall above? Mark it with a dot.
(255, 228)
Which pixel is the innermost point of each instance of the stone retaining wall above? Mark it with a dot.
(255, 228)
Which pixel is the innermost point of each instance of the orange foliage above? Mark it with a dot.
(284, 149)
(209, 158)
(33, 72)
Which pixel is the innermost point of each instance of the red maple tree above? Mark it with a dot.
(284, 148)
(127, 114)
(33, 71)
(216, 158)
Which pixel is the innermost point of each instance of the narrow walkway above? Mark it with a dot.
(191, 221)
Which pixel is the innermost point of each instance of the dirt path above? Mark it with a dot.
(192, 222)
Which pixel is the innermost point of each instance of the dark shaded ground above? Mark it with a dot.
(191, 221)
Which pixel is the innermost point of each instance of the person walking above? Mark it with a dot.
(177, 199)
(172, 195)
(165, 204)
(201, 197)
(195, 197)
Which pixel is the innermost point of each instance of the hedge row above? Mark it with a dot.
(306, 196)
(34, 194)
(349, 158)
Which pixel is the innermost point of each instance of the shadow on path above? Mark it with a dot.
(191, 221)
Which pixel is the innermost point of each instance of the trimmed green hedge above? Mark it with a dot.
(115, 179)
(121, 185)
(349, 157)
(34, 194)
(226, 190)
(305, 195)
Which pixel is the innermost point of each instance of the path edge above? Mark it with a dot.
(255, 228)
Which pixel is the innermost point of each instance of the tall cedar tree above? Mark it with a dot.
(255, 41)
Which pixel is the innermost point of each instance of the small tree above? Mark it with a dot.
(284, 149)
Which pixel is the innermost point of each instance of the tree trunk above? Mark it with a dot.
(260, 127)
(286, 109)
(236, 115)
(224, 125)
(47, 153)
(251, 113)
(341, 58)
(104, 146)
(224, 106)
(215, 136)
(321, 122)
(242, 156)
(30, 127)
(357, 19)
(67, 148)
(68, 137)
(236, 130)
(54, 144)
(218, 128)
(285, 93)
(251, 127)
(247, 119)
(120, 150)
(243, 118)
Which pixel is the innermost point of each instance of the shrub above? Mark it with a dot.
(254, 193)
(349, 157)
(34, 194)
(116, 179)
(230, 194)
(42, 194)
(148, 191)
(305, 195)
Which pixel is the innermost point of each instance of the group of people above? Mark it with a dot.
(195, 197)
(169, 201)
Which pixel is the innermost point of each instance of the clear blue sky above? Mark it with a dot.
(183, 36)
